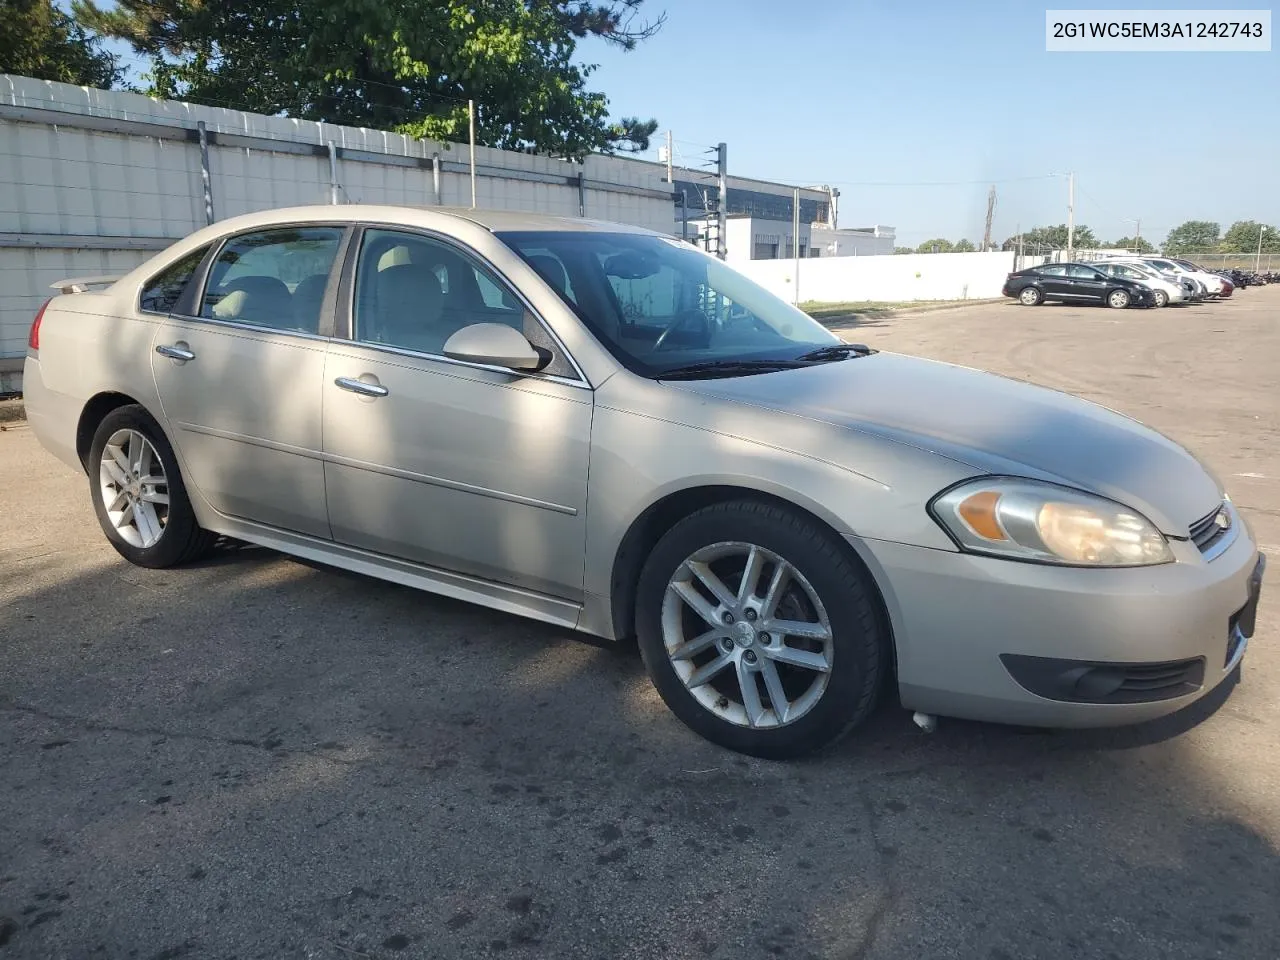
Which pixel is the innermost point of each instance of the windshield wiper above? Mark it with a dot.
(727, 368)
(837, 351)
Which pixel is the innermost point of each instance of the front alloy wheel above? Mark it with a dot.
(760, 629)
(758, 655)
(1118, 299)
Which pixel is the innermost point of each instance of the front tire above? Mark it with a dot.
(759, 631)
(1118, 299)
(1030, 297)
(1161, 298)
(138, 493)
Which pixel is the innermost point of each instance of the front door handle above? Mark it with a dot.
(361, 387)
(175, 351)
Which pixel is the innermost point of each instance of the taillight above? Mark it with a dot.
(33, 341)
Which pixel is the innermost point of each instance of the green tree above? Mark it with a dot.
(1053, 238)
(1242, 237)
(963, 246)
(904, 249)
(939, 245)
(39, 40)
(1134, 243)
(1194, 236)
(404, 65)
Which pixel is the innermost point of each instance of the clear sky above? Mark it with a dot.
(862, 92)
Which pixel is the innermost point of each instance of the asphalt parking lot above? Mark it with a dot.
(259, 758)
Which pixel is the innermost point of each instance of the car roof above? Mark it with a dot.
(497, 221)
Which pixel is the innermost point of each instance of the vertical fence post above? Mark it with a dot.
(435, 176)
(471, 115)
(205, 179)
(795, 245)
(582, 193)
(333, 173)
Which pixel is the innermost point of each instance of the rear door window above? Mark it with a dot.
(273, 278)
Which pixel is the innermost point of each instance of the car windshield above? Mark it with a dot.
(658, 304)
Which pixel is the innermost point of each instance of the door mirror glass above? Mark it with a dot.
(496, 344)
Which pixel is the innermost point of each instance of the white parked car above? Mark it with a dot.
(1164, 290)
(1214, 285)
(1192, 288)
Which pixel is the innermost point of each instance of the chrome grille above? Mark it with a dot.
(1209, 529)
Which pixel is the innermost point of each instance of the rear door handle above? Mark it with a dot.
(175, 352)
(361, 387)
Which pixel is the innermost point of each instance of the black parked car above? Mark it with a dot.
(1075, 283)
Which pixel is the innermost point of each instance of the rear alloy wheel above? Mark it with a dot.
(138, 492)
(1162, 298)
(759, 631)
(1031, 297)
(1118, 299)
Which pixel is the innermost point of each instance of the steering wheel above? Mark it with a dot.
(683, 317)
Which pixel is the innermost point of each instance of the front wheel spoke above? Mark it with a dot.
(118, 503)
(154, 496)
(750, 574)
(777, 583)
(799, 628)
(773, 686)
(142, 466)
(144, 518)
(711, 582)
(750, 694)
(126, 517)
(685, 591)
(805, 659)
(119, 476)
(121, 459)
(708, 671)
(692, 648)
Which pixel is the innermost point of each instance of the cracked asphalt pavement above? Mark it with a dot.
(260, 758)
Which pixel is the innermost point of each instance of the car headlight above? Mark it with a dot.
(1046, 523)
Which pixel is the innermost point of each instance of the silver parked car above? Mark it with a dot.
(603, 428)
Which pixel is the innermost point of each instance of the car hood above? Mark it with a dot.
(992, 424)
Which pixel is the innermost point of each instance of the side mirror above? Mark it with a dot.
(495, 344)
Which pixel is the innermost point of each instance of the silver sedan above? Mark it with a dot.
(605, 429)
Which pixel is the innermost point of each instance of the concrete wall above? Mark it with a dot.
(94, 181)
(851, 243)
(916, 276)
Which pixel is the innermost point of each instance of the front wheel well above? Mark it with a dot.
(660, 517)
(93, 414)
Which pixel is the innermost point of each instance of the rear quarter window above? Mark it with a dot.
(161, 293)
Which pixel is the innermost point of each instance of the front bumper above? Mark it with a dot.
(958, 619)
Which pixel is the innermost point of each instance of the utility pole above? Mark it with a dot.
(1071, 216)
(669, 179)
(991, 212)
(722, 166)
(795, 245)
(471, 115)
(1257, 260)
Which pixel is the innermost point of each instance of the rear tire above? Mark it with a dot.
(1031, 297)
(1118, 299)
(803, 633)
(138, 493)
